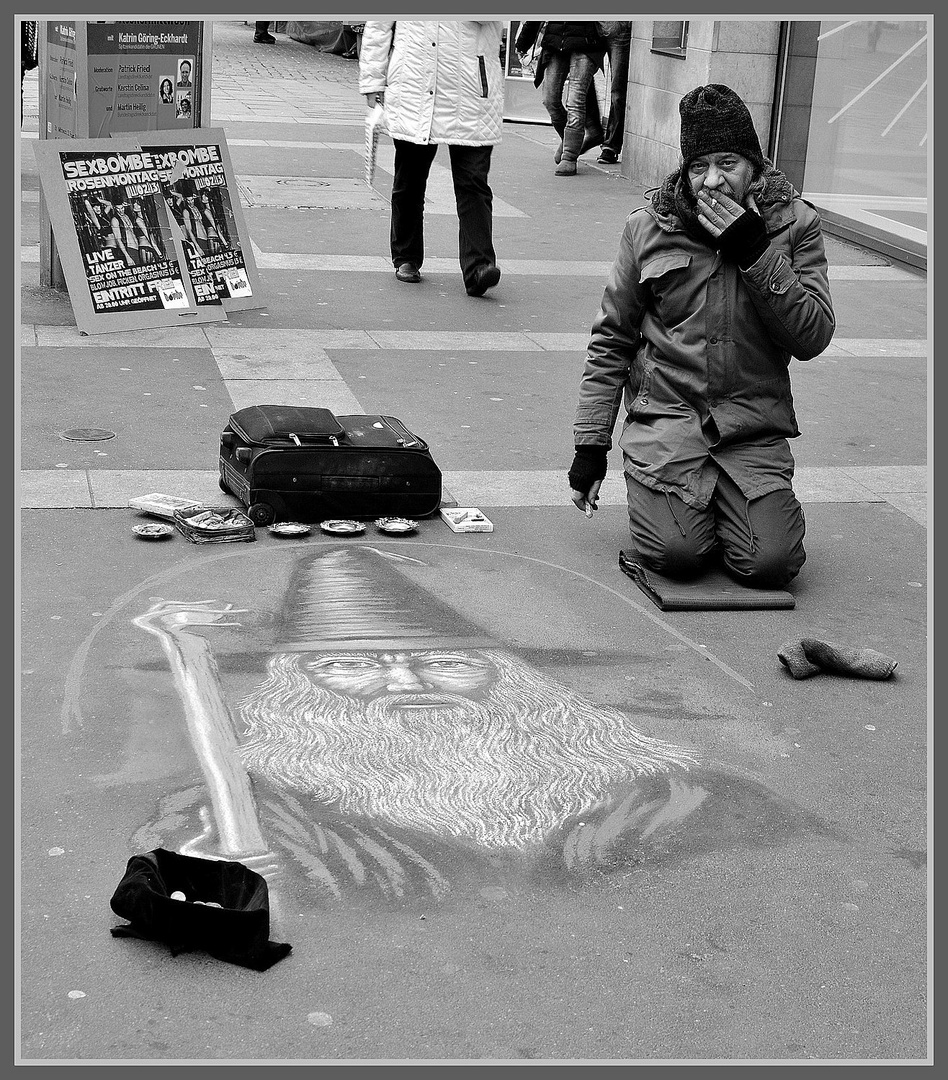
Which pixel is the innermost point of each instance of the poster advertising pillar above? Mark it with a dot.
(101, 79)
(522, 100)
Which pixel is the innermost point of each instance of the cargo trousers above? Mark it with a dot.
(759, 541)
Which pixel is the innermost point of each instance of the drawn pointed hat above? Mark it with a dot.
(359, 599)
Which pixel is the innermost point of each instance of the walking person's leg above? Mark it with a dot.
(593, 133)
(581, 70)
(412, 165)
(261, 33)
(470, 166)
(551, 90)
(619, 49)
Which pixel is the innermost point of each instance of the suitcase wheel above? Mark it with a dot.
(222, 485)
(261, 513)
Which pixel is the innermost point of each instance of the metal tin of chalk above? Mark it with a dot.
(154, 530)
(289, 528)
(342, 527)
(396, 525)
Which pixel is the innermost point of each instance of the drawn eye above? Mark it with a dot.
(450, 664)
(342, 665)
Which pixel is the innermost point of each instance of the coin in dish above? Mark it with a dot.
(288, 528)
(342, 527)
(153, 531)
(396, 524)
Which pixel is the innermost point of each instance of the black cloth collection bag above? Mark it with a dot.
(237, 932)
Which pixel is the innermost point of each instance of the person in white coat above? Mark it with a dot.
(439, 82)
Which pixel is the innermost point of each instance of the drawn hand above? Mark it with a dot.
(172, 616)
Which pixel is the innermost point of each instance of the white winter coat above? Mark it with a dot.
(443, 81)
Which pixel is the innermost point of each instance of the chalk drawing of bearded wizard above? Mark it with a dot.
(394, 747)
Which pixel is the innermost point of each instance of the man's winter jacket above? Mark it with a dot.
(443, 81)
(560, 37)
(698, 350)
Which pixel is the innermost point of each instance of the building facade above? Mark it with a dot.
(841, 106)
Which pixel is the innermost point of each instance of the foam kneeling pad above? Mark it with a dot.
(809, 657)
(236, 929)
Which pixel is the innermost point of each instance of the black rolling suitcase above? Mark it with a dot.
(297, 464)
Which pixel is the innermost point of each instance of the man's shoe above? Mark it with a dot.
(407, 272)
(608, 157)
(264, 39)
(565, 168)
(485, 277)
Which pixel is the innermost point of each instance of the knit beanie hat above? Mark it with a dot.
(714, 120)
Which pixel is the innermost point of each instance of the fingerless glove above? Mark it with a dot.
(589, 465)
(744, 240)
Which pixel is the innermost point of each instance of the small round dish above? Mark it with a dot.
(153, 530)
(289, 528)
(342, 527)
(396, 525)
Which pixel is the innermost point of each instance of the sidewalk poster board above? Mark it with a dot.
(149, 229)
(123, 268)
(202, 197)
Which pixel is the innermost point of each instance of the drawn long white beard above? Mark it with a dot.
(502, 771)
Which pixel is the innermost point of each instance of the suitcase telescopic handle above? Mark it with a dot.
(312, 438)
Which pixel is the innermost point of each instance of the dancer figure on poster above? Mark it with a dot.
(150, 248)
(124, 239)
(215, 241)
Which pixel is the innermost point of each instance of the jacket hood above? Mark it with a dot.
(772, 190)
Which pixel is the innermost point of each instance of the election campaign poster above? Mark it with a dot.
(201, 194)
(61, 91)
(124, 268)
(143, 76)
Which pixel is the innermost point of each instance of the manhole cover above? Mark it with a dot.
(310, 192)
(87, 434)
(303, 182)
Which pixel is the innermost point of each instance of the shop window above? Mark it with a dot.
(670, 38)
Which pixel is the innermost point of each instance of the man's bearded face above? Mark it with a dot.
(409, 683)
(473, 745)
(727, 173)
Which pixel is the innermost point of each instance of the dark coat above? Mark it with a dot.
(564, 37)
(699, 349)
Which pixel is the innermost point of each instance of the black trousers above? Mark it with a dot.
(759, 541)
(470, 166)
(619, 49)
